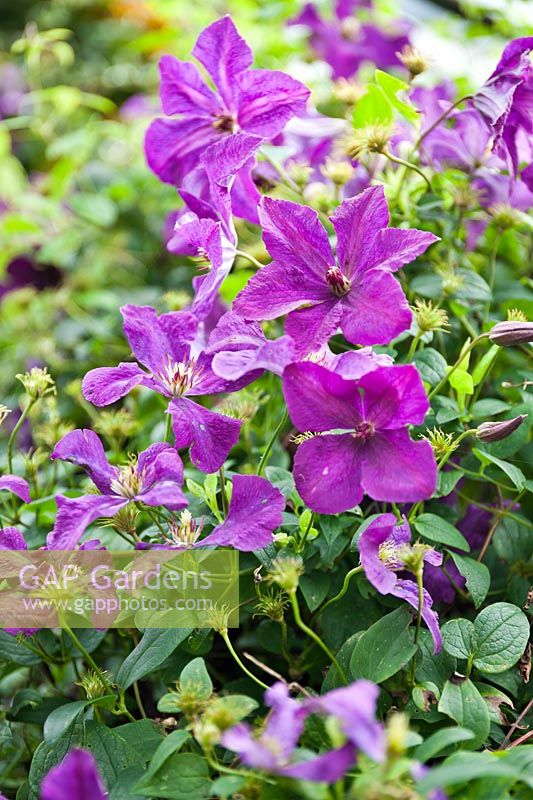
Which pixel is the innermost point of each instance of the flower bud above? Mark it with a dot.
(338, 172)
(412, 60)
(348, 92)
(286, 571)
(494, 431)
(300, 172)
(37, 382)
(509, 333)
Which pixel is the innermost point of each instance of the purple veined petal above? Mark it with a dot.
(325, 768)
(396, 469)
(355, 708)
(251, 750)
(209, 435)
(319, 400)
(206, 289)
(254, 513)
(222, 161)
(208, 382)
(357, 222)
(327, 473)
(183, 90)
(268, 99)
(394, 247)
(165, 493)
(295, 237)
(84, 448)
(16, 485)
(106, 385)
(356, 363)
(224, 54)
(76, 778)
(313, 326)
(245, 196)
(154, 339)
(394, 397)
(378, 572)
(286, 720)
(433, 557)
(12, 539)
(75, 514)
(232, 332)
(173, 146)
(408, 591)
(275, 290)
(161, 469)
(203, 235)
(272, 356)
(375, 310)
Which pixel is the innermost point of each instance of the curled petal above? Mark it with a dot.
(16, 485)
(408, 591)
(84, 448)
(106, 385)
(75, 514)
(209, 435)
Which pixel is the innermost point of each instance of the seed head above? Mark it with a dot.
(37, 382)
(428, 317)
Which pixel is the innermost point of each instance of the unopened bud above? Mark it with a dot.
(494, 431)
(37, 382)
(300, 172)
(338, 172)
(509, 333)
(397, 732)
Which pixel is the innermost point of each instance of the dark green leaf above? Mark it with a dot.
(155, 646)
(386, 647)
(437, 529)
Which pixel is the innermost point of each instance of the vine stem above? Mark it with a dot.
(271, 441)
(461, 358)
(440, 119)
(420, 585)
(414, 345)
(168, 428)
(223, 493)
(314, 636)
(402, 162)
(244, 668)
(13, 435)
(250, 258)
(344, 589)
(89, 659)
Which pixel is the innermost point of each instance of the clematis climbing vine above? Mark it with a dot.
(277, 321)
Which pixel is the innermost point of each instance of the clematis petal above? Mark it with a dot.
(319, 400)
(394, 396)
(183, 90)
(209, 435)
(252, 751)
(84, 448)
(154, 339)
(255, 511)
(224, 54)
(398, 470)
(380, 530)
(16, 485)
(408, 591)
(268, 99)
(275, 290)
(76, 778)
(394, 247)
(312, 326)
(327, 473)
(12, 539)
(222, 161)
(375, 310)
(75, 514)
(295, 237)
(105, 385)
(162, 477)
(357, 222)
(327, 767)
(173, 146)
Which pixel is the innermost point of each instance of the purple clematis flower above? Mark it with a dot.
(16, 485)
(362, 444)
(255, 101)
(505, 102)
(12, 539)
(177, 368)
(155, 479)
(497, 192)
(274, 750)
(255, 511)
(345, 43)
(464, 145)
(319, 293)
(385, 549)
(76, 778)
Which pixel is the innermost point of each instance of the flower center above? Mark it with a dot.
(338, 282)
(225, 123)
(128, 483)
(350, 28)
(185, 532)
(178, 377)
(363, 431)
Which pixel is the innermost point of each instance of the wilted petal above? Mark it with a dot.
(375, 310)
(357, 222)
(209, 435)
(183, 90)
(398, 470)
(268, 99)
(224, 54)
(16, 485)
(12, 539)
(76, 778)
(408, 590)
(84, 448)
(106, 385)
(394, 397)
(222, 162)
(75, 514)
(319, 400)
(327, 473)
(254, 514)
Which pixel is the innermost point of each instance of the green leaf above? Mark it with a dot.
(98, 209)
(315, 588)
(194, 679)
(461, 701)
(11, 650)
(391, 87)
(155, 646)
(436, 529)
(431, 365)
(458, 638)
(441, 740)
(112, 753)
(484, 364)
(501, 636)
(463, 768)
(49, 754)
(144, 735)
(383, 649)
(373, 108)
(476, 574)
(183, 776)
(515, 475)
(282, 479)
(123, 788)
(513, 541)
(461, 381)
(172, 744)
(488, 408)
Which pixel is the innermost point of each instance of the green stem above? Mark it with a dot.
(13, 435)
(314, 636)
(408, 165)
(452, 369)
(250, 258)
(223, 493)
(244, 668)
(218, 767)
(282, 172)
(168, 428)
(420, 585)
(344, 589)
(440, 119)
(89, 659)
(270, 445)
(138, 700)
(414, 345)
